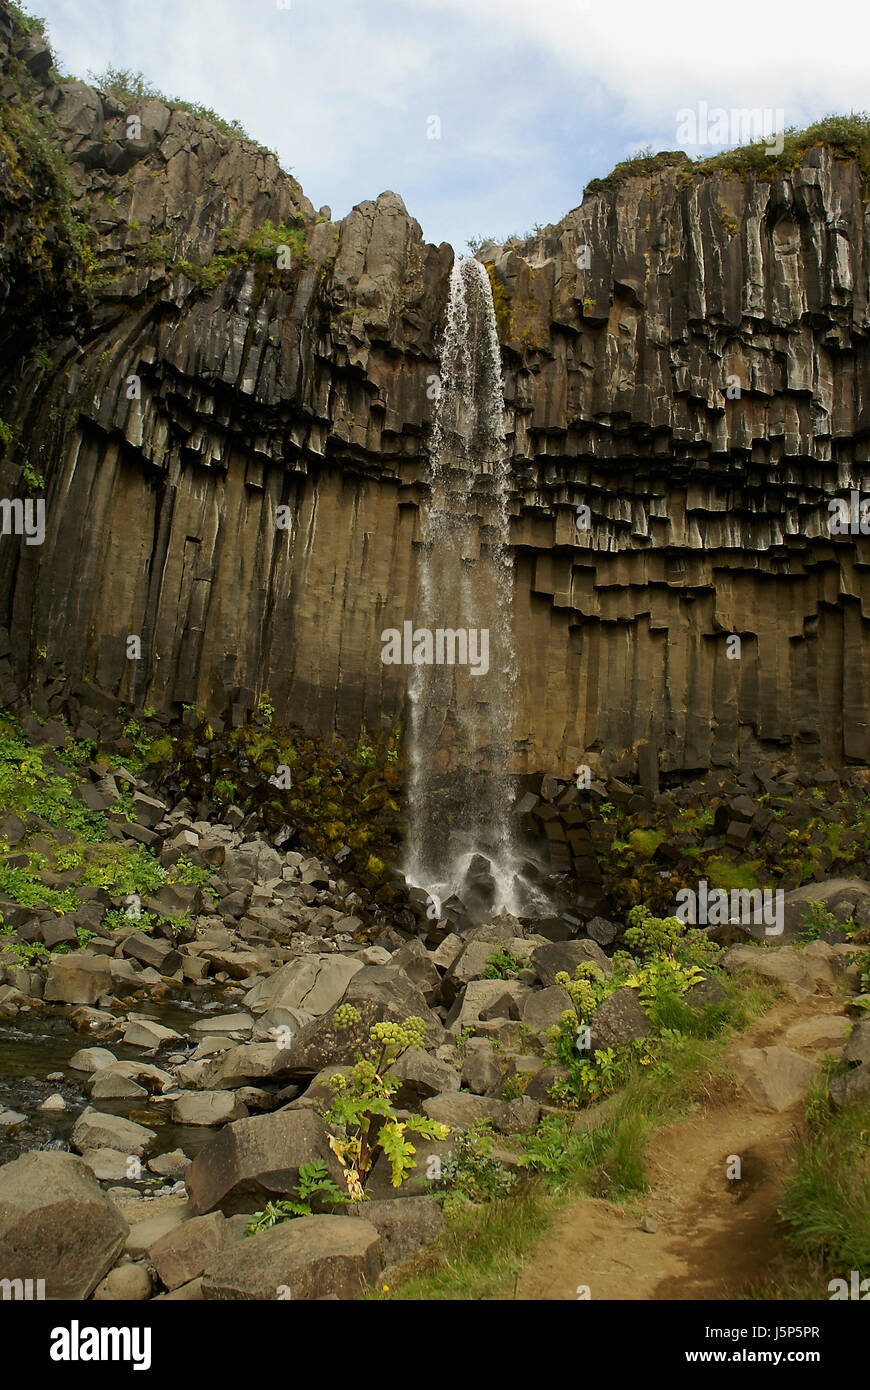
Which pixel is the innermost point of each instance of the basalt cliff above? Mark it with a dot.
(226, 400)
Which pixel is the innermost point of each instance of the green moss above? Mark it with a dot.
(503, 318)
(638, 166)
(847, 137)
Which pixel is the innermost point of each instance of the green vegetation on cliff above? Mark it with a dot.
(847, 137)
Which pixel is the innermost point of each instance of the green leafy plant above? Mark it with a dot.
(365, 1098)
(314, 1185)
(502, 964)
(468, 1173)
(816, 920)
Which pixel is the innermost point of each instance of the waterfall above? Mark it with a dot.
(461, 721)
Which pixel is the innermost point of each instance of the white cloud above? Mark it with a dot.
(535, 96)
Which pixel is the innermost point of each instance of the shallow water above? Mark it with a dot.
(40, 1042)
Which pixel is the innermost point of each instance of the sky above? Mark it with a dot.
(487, 116)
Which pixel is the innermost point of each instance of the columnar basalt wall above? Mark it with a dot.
(201, 388)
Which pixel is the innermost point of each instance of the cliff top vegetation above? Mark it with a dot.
(847, 137)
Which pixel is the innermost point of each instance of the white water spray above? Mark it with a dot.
(461, 725)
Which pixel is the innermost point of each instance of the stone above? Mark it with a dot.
(250, 1162)
(129, 1283)
(310, 1257)
(95, 1130)
(207, 1108)
(620, 1019)
(404, 1224)
(312, 983)
(109, 1165)
(826, 1031)
(139, 1073)
(228, 1024)
(55, 1103)
(56, 1224)
(857, 1047)
(145, 1032)
(542, 1082)
(799, 973)
(79, 978)
(91, 1059)
(145, 1234)
(183, 1253)
(380, 993)
(776, 1077)
(459, 1110)
(550, 960)
(486, 1000)
(151, 951)
(244, 1064)
(170, 1165)
(420, 1075)
(544, 1008)
(483, 1070)
(111, 1085)
(602, 931)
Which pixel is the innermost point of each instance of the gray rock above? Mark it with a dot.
(776, 1077)
(309, 1257)
(57, 1225)
(567, 955)
(95, 1130)
(311, 983)
(207, 1108)
(183, 1253)
(404, 1224)
(91, 1059)
(252, 1161)
(619, 1020)
(79, 978)
(129, 1283)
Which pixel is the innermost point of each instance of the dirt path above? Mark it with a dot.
(712, 1235)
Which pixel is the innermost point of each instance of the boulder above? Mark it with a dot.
(170, 1165)
(95, 1130)
(404, 1224)
(799, 973)
(183, 1253)
(776, 1077)
(56, 1224)
(207, 1108)
(78, 978)
(567, 955)
(619, 1020)
(91, 1059)
(380, 993)
(420, 1076)
(253, 1161)
(306, 1258)
(544, 1008)
(141, 1073)
(109, 1165)
(244, 1064)
(129, 1283)
(857, 1047)
(144, 1032)
(312, 983)
(483, 1000)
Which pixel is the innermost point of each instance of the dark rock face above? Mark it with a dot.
(210, 383)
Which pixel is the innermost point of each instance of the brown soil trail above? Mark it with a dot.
(712, 1235)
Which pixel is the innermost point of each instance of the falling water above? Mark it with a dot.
(461, 724)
